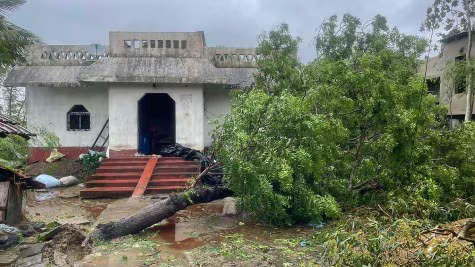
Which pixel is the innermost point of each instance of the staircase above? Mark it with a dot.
(124, 177)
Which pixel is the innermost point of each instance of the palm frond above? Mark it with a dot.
(12, 32)
(6, 6)
(13, 40)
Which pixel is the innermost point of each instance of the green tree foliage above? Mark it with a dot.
(454, 16)
(13, 151)
(13, 39)
(14, 148)
(14, 103)
(356, 125)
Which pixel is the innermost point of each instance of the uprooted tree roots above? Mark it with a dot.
(157, 212)
(67, 245)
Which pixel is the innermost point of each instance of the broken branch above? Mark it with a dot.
(203, 173)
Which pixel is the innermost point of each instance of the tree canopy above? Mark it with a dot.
(354, 126)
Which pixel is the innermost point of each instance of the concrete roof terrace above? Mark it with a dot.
(136, 57)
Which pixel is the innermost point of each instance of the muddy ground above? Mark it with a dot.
(202, 235)
(62, 205)
(58, 169)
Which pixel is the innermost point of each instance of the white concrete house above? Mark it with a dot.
(144, 89)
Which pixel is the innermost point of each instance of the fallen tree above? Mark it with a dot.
(157, 212)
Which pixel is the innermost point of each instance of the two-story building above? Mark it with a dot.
(450, 91)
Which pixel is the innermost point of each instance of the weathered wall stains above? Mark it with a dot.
(217, 102)
(123, 110)
(47, 107)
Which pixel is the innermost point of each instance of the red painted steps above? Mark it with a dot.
(113, 183)
(124, 163)
(119, 169)
(165, 189)
(107, 192)
(119, 177)
(120, 192)
(112, 176)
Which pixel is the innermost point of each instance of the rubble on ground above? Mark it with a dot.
(61, 247)
(213, 177)
(9, 236)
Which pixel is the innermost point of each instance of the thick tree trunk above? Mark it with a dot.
(155, 213)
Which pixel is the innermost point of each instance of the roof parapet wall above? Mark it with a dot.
(64, 55)
(157, 44)
(229, 57)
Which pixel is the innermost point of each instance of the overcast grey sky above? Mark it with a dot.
(225, 22)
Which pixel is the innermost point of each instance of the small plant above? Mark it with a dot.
(188, 195)
(91, 162)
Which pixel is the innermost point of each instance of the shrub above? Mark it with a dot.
(91, 162)
(13, 151)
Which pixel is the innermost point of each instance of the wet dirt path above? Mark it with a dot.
(62, 205)
(181, 239)
(210, 234)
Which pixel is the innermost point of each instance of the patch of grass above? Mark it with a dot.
(51, 225)
(238, 248)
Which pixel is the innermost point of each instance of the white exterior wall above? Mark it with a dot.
(217, 103)
(48, 108)
(123, 110)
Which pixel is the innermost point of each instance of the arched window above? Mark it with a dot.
(79, 119)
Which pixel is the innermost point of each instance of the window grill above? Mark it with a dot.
(78, 119)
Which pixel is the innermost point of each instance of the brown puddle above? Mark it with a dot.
(205, 224)
(196, 226)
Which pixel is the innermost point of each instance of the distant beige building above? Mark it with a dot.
(449, 92)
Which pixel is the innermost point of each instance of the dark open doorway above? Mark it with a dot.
(156, 122)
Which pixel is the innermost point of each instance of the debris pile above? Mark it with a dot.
(213, 177)
(9, 236)
(65, 247)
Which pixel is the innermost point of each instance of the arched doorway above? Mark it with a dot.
(156, 122)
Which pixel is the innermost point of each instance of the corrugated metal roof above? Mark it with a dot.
(11, 126)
